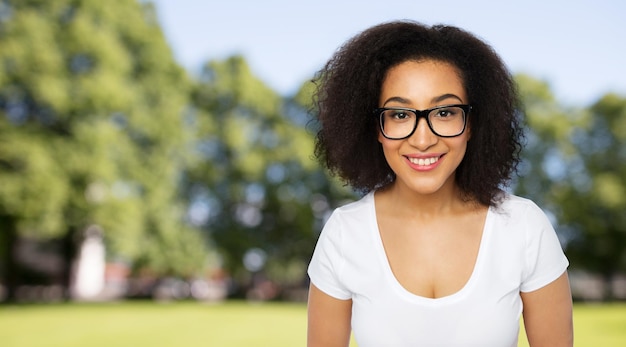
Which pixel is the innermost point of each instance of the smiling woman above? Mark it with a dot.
(423, 120)
(433, 143)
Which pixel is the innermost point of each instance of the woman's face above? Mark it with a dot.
(424, 162)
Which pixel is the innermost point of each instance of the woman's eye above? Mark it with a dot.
(446, 113)
(401, 115)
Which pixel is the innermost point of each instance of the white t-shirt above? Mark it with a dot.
(519, 252)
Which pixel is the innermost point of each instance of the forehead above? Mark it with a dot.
(421, 81)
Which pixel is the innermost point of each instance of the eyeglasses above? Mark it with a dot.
(397, 123)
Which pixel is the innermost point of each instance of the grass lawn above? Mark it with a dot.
(222, 325)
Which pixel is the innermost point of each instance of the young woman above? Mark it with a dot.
(424, 121)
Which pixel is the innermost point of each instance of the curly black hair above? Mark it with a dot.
(349, 87)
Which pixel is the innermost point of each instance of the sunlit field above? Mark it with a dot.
(232, 324)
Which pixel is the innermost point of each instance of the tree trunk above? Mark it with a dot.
(608, 294)
(68, 250)
(10, 271)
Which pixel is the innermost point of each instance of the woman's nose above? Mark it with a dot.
(423, 137)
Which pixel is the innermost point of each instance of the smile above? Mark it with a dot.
(424, 161)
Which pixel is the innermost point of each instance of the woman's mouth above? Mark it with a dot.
(423, 161)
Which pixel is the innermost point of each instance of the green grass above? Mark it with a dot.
(222, 325)
(600, 325)
(154, 325)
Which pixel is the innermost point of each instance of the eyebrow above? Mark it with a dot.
(436, 99)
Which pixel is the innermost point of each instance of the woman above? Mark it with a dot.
(424, 121)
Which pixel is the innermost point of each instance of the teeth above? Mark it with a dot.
(424, 161)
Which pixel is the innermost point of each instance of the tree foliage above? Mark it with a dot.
(575, 166)
(256, 180)
(594, 200)
(93, 130)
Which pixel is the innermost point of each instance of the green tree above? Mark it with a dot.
(32, 194)
(594, 201)
(256, 182)
(574, 168)
(546, 150)
(92, 103)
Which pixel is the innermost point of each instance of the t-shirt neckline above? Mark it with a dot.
(399, 288)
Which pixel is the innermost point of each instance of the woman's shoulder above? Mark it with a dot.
(515, 204)
(361, 205)
(520, 210)
(354, 215)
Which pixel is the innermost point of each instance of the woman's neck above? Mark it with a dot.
(445, 201)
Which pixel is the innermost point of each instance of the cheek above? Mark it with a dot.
(462, 146)
(386, 143)
(390, 148)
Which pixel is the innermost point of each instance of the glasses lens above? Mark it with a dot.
(397, 124)
(447, 121)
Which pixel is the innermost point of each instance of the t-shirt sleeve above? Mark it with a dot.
(327, 261)
(545, 260)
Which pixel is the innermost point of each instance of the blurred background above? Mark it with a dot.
(162, 149)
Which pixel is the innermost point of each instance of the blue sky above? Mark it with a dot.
(578, 47)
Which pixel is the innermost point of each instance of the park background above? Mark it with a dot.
(162, 151)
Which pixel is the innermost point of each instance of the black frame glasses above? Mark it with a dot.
(421, 114)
